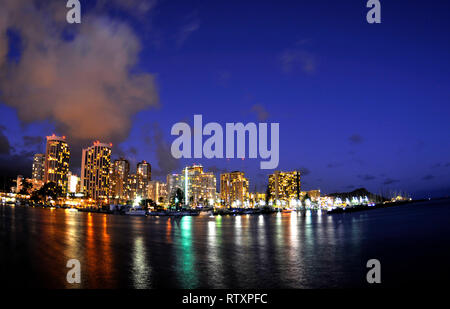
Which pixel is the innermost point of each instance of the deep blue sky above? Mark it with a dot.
(358, 105)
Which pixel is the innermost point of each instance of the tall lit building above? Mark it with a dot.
(234, 189)
(95, 167)
(118, 185)
(199, 187)
(157, 191)
(38, 168)
(19, 183)
(173, 183)
(284, 186)
(57, 155)
(143, 177)
(314, 195)
(257, 199)
(132, 186)
(73, 183)
(144, 169)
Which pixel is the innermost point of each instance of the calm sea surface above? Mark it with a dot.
(296, 250)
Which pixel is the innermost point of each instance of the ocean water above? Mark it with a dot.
(288, 250)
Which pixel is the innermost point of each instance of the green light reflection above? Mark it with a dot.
(186, 260)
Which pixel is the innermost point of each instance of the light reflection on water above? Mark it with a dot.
(185, 255)
(292, 250)
(141, 270)
(215, 270)
(71, 238)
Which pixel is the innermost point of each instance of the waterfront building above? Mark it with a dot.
(38, 168)
(313, 195)
(143, 178)
(73, 183)
(19, 183)
(95, 168)
(57, 155)
(119, 173)
(199, 187)
(234, 189)
(136, 189)
(144, 170)
(157, 191)
(173, 183)
(284, 187)
(257, 199)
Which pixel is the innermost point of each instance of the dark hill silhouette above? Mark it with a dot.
(359, 192)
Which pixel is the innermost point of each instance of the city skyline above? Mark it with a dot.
(108, 181)
(136, 171)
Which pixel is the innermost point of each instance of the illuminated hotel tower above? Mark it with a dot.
(57, 155)
(199, 187)
(284, 186)
(157, 191)
(144, 169)
(143, 177)
(234, 189)
(38, 169)
(95, 165)
(173, 183)
(119, 180)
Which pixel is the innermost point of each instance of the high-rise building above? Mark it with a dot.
(19, 183)
(173, 183)
(157, 191)
(73, 183)
(95, 168)
(199, 187)
(119, 173)
(133, 187)
(57, 155)
(284, 186)
(257, 199)
(234, 189)
(144, 169)
(38, 169)
(143, 177)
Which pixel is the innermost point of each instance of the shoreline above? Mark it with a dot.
(359, 208)
(224, 212)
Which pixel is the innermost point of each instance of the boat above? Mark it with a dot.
(206, 213)
(173, 213)
(183, 213)
(157, 213)
(250, 212)
(136, 212)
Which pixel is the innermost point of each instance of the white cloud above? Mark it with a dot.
(84, 86)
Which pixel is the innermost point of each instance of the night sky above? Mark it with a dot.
(359, 105)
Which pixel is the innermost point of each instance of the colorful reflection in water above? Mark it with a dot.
(214, 243)
(141, 270)
(185, 256)
(98, 254)
(283, 250)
